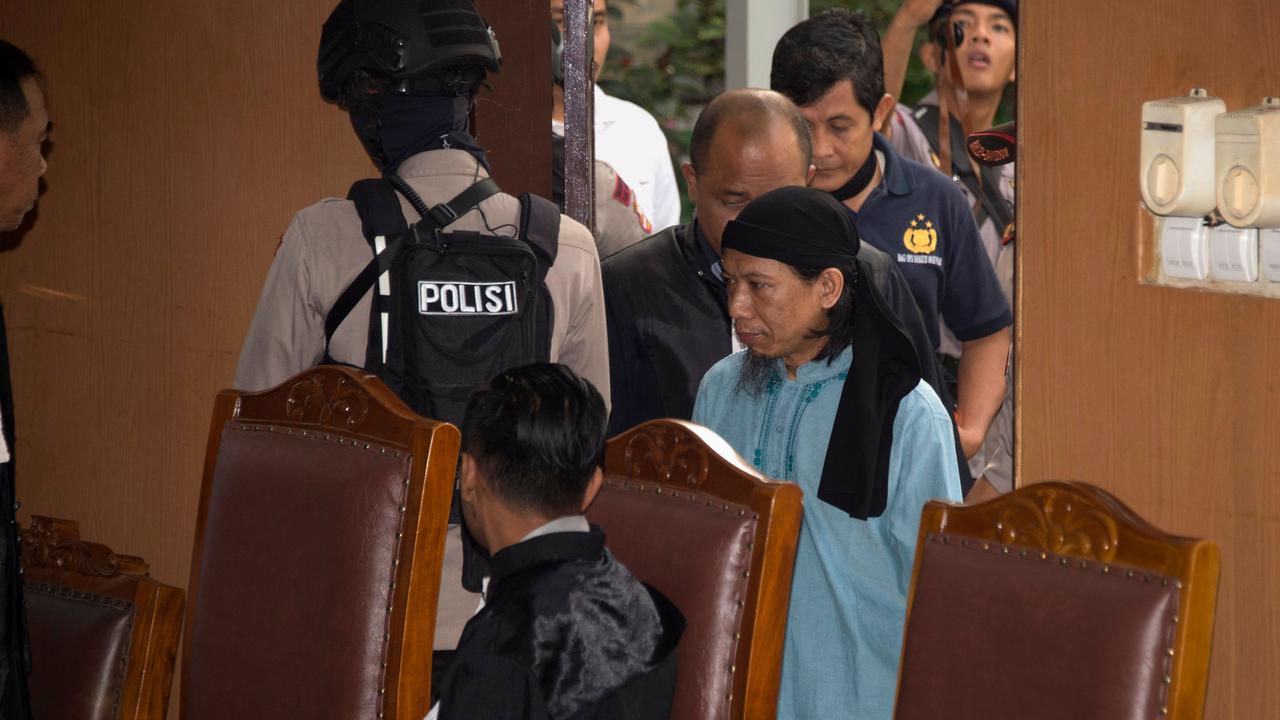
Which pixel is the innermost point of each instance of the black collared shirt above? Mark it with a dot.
(566, 632)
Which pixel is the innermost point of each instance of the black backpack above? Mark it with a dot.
(454, 308)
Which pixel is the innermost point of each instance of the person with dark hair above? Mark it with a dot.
(620, 221)
(519, 282)
(972, 50)
(831, 394)
(566, 631)
(24, 130)
(831, 66)
(627, 136)
(667, 318)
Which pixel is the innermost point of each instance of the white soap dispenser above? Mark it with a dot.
(1177, 154)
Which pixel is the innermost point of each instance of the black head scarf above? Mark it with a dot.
(807, 227)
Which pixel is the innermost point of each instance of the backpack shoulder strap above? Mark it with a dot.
(380, 216)
(379, 208)
(540, 226)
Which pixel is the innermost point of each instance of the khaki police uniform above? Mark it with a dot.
(997, 448)
(324, 249)
(994, 460)
(620, 223)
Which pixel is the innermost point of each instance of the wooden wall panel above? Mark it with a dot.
(186, 136)
(1168, 398)
(520, 153)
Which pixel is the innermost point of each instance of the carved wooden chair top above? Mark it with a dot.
(104, 636)
(318, 552)
(1059, 601)
(690, 517)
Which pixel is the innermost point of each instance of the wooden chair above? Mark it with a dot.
(692, 519)
(1055, 602)
(103, 635)
(317, 555)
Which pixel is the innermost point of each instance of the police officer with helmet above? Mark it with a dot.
(407, 72)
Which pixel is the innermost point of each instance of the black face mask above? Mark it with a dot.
(860, 179)
(405, 125)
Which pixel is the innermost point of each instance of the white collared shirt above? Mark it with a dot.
(629, 139)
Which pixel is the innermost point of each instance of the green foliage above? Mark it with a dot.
(919, 81)
(688, 69)
(687, 72)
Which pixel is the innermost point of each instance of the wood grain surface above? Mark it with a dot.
(1167, 398)
(186, 136)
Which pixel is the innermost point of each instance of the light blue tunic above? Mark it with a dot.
(849, 590)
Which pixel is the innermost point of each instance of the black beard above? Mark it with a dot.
(755, 373)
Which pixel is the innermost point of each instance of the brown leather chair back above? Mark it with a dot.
(688, 516)
(103, 635)
(318, 553)
(1055, 602)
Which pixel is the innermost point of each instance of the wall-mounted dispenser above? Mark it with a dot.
(1177, 155)
(1247, 172)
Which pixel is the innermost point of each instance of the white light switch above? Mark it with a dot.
(1269, 242)
(1233, 254)
(1183, 247)
(1177, 154)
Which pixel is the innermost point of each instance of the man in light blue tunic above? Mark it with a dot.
(829, 395)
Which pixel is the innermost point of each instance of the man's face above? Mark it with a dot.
(774, 310)
(842, 133)
(739, 170)
(988, 56)
(22, 160)
(600, 42)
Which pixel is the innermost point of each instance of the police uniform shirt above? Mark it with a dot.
(920, 218)
(324, 249)
(620, 222)
(910, 142)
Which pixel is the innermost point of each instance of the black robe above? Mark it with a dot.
(14, 664)
(566, 632)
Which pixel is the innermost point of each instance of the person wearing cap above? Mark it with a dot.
(971, 78)
(972, 51)
(413, 123)
(831, 66)
(829, 394)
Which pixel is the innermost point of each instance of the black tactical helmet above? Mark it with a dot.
(415, 47)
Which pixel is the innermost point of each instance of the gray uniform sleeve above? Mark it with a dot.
(907, 138)
(286, 335)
